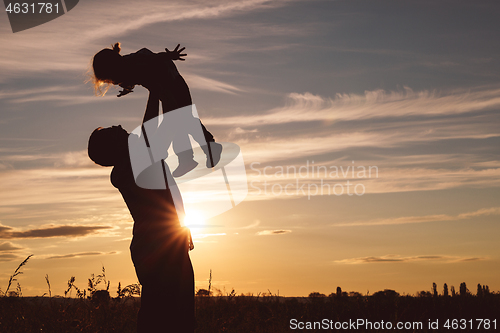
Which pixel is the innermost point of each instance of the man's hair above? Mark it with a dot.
(102, 147)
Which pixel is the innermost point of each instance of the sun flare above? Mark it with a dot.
(194, 220)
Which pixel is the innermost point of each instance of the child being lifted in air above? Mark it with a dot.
(157, 73)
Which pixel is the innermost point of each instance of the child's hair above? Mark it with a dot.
(106, 68)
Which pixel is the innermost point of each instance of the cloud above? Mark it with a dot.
(59, 160)
(9, 257)
(52, 231)
(8, 246)
(273, 232)
(200, 236)
(115, 21)
(55, 185)
(239, 130)
(425, 218)
(72, 95)
(205, 83)
(480, 212)
(56, 94)
(80, 254)
(8, 250)
(308, 107)
(24, 93)
(397, 258)
(311, 125)
(253, 225)
(168, 11)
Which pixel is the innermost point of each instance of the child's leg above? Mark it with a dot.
(188, 124)
(184, 151)
(177, 95)
(205, 139)
(181, 144)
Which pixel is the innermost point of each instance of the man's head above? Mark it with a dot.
(108, 146)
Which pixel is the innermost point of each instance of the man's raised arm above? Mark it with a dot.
(153, 107)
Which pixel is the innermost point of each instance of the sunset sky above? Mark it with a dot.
(409, 90)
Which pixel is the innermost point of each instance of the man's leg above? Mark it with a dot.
(167, 298)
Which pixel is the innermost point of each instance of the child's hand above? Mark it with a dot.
(176, 53)
(127, 89)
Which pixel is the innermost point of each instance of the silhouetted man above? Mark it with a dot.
(160, 245)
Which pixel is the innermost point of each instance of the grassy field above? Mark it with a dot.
(94, 310)
(248, 313)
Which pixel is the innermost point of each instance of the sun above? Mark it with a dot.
(194, 220)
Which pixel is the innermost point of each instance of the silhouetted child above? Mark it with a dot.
(156, 72)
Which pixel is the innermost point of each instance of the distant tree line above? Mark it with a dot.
(482, 291)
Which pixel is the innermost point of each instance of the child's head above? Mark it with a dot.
(108, 146)
(107, 67)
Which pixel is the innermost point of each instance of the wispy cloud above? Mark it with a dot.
(8, 246)
(80, 94)
(65, 159)
(253, 225)
(397, 259)
(307, 107)
(80, 254)
(115, 20)
(51, 185)
(273, 232)
(425, 218)
(8, 250)
(323, 126)
(38, 92)
(157, 12)
(7, 232)
(205, 83)
(200, 236)
(9, 257)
